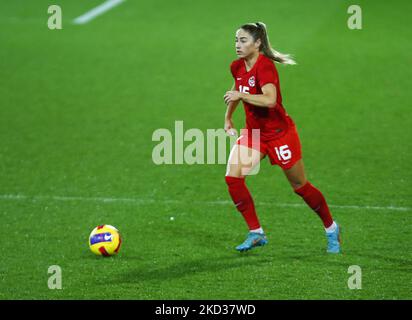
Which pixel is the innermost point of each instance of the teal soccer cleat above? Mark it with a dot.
(334, 241)
(253, 240)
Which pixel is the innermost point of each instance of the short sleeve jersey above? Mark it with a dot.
(272, 122)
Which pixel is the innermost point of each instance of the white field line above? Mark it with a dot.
(97, 11)
(166, 201)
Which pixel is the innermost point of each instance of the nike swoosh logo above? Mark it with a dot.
(238, 78)
(238, 204)
(107, 237)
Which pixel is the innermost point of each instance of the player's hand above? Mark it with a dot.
(232, 96)
(229, 128)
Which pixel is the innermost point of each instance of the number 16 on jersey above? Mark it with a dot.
(283, 152)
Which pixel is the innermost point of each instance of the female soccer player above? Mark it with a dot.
(257, 86)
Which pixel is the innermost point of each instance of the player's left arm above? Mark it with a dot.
(267, 99)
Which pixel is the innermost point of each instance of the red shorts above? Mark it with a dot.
(284, 151)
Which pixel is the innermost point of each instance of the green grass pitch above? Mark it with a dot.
(78, 107)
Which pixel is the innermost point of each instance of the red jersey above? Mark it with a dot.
(273, 122)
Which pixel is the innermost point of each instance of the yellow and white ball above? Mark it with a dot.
(105, 240)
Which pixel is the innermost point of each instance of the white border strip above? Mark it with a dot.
(95, 12)
(221, 202)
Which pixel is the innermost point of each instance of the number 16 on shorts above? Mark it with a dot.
(283, 153)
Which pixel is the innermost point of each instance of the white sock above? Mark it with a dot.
(332, 228)
(260, 230)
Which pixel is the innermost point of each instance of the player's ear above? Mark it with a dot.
(258, 43)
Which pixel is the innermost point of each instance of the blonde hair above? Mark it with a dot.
(258, 31)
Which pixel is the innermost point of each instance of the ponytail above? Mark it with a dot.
(258, 31)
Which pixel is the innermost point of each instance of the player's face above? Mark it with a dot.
(245, 44)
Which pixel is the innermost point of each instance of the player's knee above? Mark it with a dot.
(234, 175)
(234, 171)
(298, 184)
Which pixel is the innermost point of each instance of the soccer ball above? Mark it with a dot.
(105, 240)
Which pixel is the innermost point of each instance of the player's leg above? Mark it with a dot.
(310, 194)
(286, 152)
(316, 201)
(242, 160)
(240, 163)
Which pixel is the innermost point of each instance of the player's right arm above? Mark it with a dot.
(231, 107)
